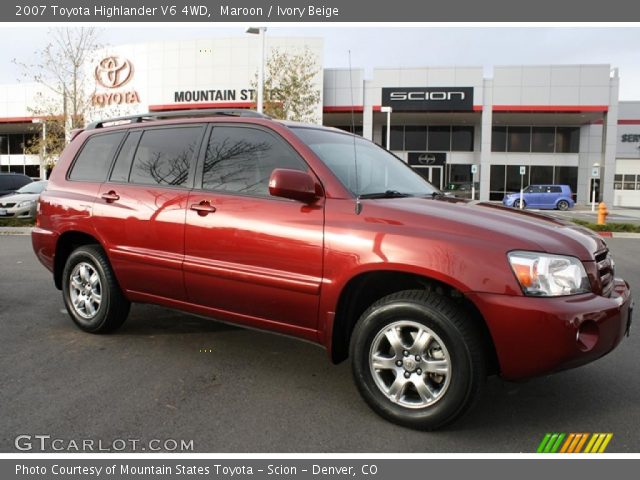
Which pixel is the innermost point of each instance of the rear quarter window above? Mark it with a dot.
(94, 160)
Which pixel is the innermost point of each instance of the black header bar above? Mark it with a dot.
(317, 11)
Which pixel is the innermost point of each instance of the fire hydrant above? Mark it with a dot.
(602, 213)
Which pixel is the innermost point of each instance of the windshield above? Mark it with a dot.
(34, 187)
(378, 171)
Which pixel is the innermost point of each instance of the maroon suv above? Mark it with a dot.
(322, 235)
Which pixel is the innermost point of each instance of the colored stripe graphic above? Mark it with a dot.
(550, 443)
(553, 442)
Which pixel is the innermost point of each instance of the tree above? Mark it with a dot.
(65, 86)
(289, 89)
(50, 145)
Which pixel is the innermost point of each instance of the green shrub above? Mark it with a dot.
(609, 227)
(16, 222)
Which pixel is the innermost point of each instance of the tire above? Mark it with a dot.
(562, 205)
(91, 293)
(448, 367)
(516, 204)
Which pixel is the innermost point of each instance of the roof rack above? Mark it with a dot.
(151, 116)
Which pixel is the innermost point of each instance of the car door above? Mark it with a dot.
(532, 196)
(547, 197)
(140, 209)
(251, 257)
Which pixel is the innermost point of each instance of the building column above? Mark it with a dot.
(610, 141)
(485, 139)
(367, 113)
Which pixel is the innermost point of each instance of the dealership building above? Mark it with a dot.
(457, 126)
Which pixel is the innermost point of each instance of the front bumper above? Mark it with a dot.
(533, 336)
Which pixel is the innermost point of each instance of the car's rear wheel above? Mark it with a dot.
(516, 203)
(418, 359)
(563, 205)
(91, 293)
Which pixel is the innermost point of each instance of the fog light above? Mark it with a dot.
(587, 335)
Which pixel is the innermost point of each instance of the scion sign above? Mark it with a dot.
(428, 99)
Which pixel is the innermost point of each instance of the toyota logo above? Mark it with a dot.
(113, 72)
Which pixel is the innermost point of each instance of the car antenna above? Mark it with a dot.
(353, 132)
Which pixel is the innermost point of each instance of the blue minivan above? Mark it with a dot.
(542, 196)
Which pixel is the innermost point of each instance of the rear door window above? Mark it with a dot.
(94, 160)
(165, 155)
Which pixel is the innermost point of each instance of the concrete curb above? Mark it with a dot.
(619, 235)
(15, 230)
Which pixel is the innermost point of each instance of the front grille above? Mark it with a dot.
(606, 271)
(6, 205)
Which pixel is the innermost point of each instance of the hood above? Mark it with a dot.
(501, 227)
(18, 197)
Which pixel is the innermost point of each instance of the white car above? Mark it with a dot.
(22, 204)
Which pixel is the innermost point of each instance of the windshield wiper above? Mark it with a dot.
(386, 194)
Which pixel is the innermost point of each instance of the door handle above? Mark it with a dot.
(203, 208)
(110, 196)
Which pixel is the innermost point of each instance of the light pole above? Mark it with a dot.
(388, 111)
(261, 32)
(595, 173)
(43, 170)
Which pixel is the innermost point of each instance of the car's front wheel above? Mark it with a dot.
(516, 203)
(91, 293)
(417, 359)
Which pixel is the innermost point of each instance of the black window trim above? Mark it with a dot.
(115, 157)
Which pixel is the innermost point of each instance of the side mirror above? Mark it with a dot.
(293, 184)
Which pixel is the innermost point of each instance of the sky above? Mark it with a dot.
(406, 46)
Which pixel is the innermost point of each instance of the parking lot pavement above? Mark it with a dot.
(167, 375)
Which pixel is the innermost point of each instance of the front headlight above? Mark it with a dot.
(26, 203)
(545, 275)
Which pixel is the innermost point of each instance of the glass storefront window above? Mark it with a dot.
(542, 139)
(397, 137)
(415, 138)
(541, 174)
(567, 139)
(567, 176)
(519, 139)
(439, 138)
(32, 171)
(461, 139)
(499, 139)
(16, 144)
(496, 182)
(514, 178)
(460, 173)
(4, 145)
